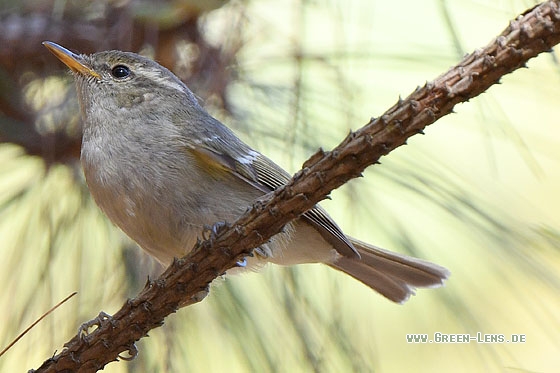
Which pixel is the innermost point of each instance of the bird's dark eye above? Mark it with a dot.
(120, 71)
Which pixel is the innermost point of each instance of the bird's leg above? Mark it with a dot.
(211, 232)
(132, 353)
(98, 322)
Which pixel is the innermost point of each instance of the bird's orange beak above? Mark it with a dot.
(72, 60)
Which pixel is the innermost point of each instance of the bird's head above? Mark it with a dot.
(116, 80)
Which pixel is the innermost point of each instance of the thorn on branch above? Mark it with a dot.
(525, 32)
(501, 40)
(460, 88)
(181, 288)
(314, 158)
(489, 61)
(177, 263)
(321, 177)
(514, 24)
(431, 114)
(274, 211)
(516, 52)
(284, 191)
(301, 173)
(160, 283)
(548, 22)
(398, 125)
(448, 90)
(367, 138)
(415, 106)
(353, 134)
(555, 15)
(149, 282)
(384, 119)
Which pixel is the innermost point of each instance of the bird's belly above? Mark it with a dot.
(164, 221)
(154, 226)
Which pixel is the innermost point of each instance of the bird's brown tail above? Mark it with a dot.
(395, 276)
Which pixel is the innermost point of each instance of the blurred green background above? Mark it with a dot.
(478, 194)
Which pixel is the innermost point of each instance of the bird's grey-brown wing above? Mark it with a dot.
(262, 173)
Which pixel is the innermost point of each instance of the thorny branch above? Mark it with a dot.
(187, 279)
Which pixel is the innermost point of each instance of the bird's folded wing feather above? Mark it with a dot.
(265, 175)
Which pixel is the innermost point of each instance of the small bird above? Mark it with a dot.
(162, 168)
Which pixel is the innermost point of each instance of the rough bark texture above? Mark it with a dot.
(534, 32)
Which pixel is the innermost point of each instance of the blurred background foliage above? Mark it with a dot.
(478, 193)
